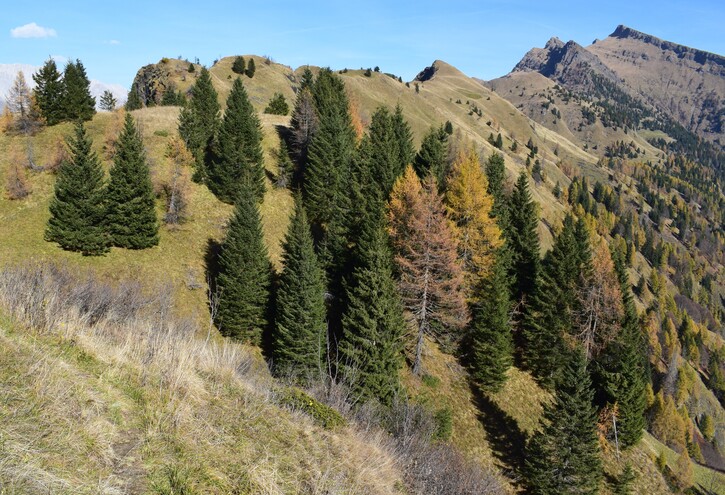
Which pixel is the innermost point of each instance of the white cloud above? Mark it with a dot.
(32, 30)
(114, 42)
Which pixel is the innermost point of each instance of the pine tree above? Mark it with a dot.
(491, 341)
(237, 156)
(133, 101)
(49, 92)
(77, 210)
(432, 156)
(199, 120)
(549, 314)
(131, 216)
(300, 318)
(469, 206)
(373, 324)
(243, 280)
(524, 240)
(78, 104)
(108, 101)
(251, 68)
(425, 246)
(563, 457)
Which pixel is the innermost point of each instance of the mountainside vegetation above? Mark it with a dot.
(397, 288)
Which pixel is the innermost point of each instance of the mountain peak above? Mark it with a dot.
(553, 43)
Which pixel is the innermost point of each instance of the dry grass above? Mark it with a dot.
(106, 391)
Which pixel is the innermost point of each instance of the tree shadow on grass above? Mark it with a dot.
(507, 440)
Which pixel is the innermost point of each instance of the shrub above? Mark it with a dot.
(444, 424)
(277, 105)
(323, 415)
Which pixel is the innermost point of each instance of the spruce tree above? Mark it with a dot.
(491, 342)
(77, 211)
(133, 101)
(243, 280)
(49, 92)
(404, 138)
(524, 240)
(563, 457)
(237, 155)
(78, 104)
(373, 324)
(299, 342)
(251, 68)
(496, 174)
(199, 120)
(239, 66)
(622, 368)
(432, 156)
(549, 314)
(277, 105)
(108, 101)
(381, 149)
(131, 217)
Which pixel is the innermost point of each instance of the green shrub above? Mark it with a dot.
(444, 424)
(431, 381)
(161, 133)
(322, 414)
(277, 105)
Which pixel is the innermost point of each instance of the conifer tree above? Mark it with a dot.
(237, 155)
(49, 92)
(78, 104)
(373, 324)
(131, 216)
(563, 457)
(108, 101)
(243, 281)
(404, 137)
(432, 156)
(469, 207)
(77, 210)
(22, 107)
(304, 124)
(239, 66)
(381, 148)
(133, 101)
(524, 240)
(623, 367)
(199, 120)
(549, 314)
(491, 341)
(331, 149)
(300, 319)
(496, 174)
(251, 68)
(425, 247)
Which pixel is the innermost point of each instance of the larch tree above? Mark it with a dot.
(244, 277)
(426, 255)
(21, 105)
(77, 210)
(49, 92)
(199, 120)
(469, 206)
(563, 458)
(131, 214)
(300, 336)
(78, 104)
(237, 156)
(373, 324)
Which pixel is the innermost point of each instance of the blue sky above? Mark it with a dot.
(483, 38)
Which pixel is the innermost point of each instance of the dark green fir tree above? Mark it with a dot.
(496, 174)
(251, 68)
(491, 341)
(432, 158)
(239, 65)
(563, 458)
(199, 120)
(244, 277)
(49, 92)
(131, 216)
(133, 101)
(77, 210)
(373, 324)
(78, 104)
(404, 138)
(300, 336)
(523, 240)
(237, 155)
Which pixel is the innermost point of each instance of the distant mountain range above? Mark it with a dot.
(628, 80)
(8, 73)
